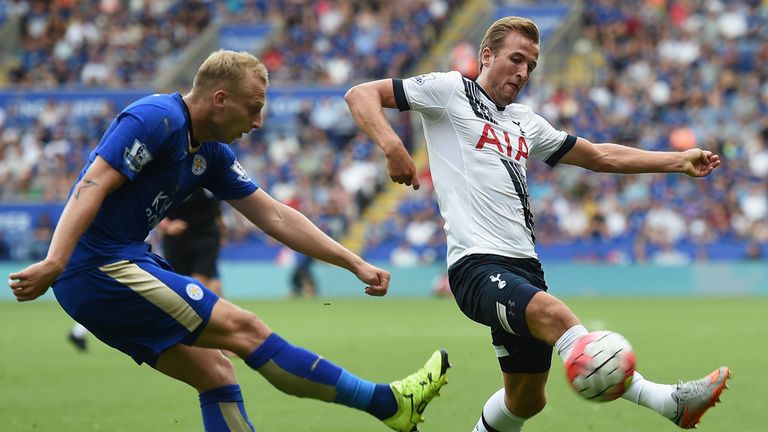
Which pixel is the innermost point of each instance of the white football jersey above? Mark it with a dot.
(478, 153)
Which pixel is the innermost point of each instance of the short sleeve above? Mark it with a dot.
(131, 143)
(549, 144)
(428, 94)
(229, 180)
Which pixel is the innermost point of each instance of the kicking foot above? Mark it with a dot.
(694, 398)
(415, 391)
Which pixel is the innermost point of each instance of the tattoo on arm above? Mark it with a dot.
(86, 183)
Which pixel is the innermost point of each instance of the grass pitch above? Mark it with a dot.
(45, 385)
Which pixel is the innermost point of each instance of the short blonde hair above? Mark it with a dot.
(227, 69)
(499, 30)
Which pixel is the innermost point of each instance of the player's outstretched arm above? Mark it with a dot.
(83, 204)
(293, 229)
(366, 103)
(621, 159)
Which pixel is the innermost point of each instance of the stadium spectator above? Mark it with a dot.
(482, 191)
(5, 249)
(753, 252)
(41, 237)
(404, 255)
(303, 282)
(106, 278)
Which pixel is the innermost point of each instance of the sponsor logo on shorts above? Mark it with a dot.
(199, 164)
(194, 292)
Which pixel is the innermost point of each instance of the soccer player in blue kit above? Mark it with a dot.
(155, 153)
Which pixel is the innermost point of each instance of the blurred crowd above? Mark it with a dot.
(668, 75)
(335, 42)
(671, 75)
(316, 162)
(101, 43)
(108, 43)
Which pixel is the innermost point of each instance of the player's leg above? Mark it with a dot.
(492, 290)
(527, 313)
(146, 311)
(490, 294)
(522, 397)
(525, 364)
(299, 372)
(550, 320)
(213, 376)
(684, 403)
(77, 336)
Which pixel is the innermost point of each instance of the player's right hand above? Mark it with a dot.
(33, 281)
(376, 278)
(401, 168)
(700, 163)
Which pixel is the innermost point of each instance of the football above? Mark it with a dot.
(601, 366)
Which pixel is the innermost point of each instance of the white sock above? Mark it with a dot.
(79, 331)
(497, 416)
(649, 394)
(564, 345)
(657, 397)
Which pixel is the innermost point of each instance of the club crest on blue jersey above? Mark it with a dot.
(240, 171)
(137, 157)
(194, 292)
(199, 164)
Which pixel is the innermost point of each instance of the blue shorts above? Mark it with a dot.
(138, 306)
(479, 295)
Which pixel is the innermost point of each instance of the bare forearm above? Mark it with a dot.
(300, 234)
(367, 110)
(628, 160)
(77, 216)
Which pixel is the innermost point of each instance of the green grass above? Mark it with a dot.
(45, 385)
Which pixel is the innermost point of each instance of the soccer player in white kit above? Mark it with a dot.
(479, 142)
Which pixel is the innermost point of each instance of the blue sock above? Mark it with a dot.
(303, 373)
(223, 410)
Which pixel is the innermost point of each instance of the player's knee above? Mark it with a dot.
(237, 321)
(222, 370)
(234, 329)
(253, 327)
(218, 372)
(548, 317)
(246, 331)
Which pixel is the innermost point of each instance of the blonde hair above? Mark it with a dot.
(499, 30)
(227, 69)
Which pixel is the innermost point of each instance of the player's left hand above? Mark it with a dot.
(33, 281)
(699, 163)
(401, 168)
(376, 278)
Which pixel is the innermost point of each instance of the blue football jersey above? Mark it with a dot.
(150, 143)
